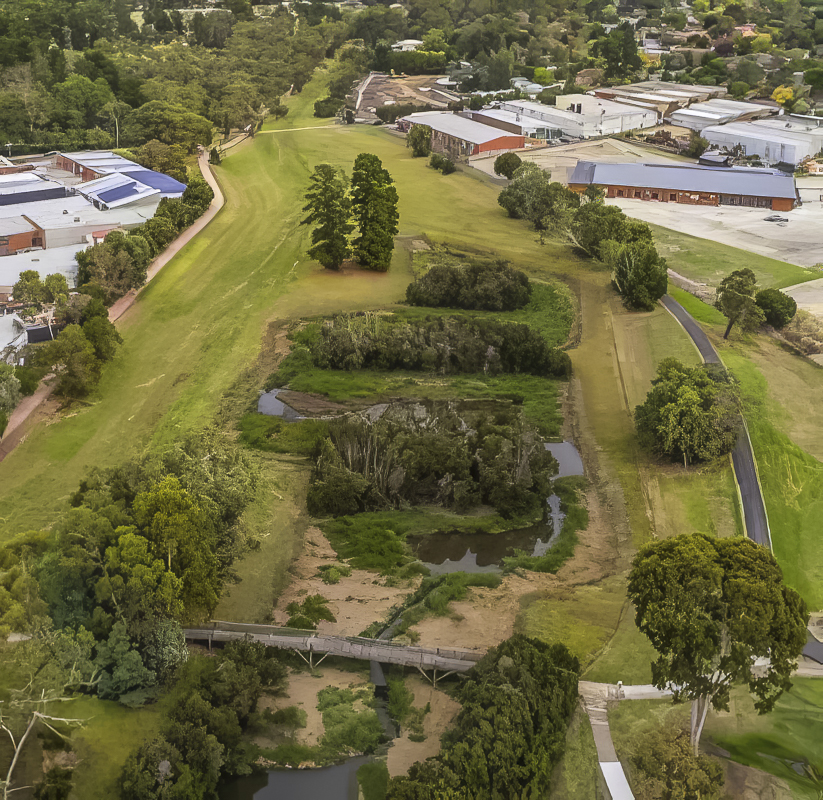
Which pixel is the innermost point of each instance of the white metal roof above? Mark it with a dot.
(11, 225)
(46, 262)
(115, 190)
(100, 160)
(460, 127)
(61, 213)
(759, 132)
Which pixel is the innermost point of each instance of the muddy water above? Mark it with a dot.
(269, 405)
(458, 551)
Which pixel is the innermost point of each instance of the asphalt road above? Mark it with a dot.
(754, 509)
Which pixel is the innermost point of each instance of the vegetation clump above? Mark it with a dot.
(478, 285)
(307, 614)
(400, 460)
(442, 164)
(778, 308)
(446, 344)
(510, 731)
(690, 413)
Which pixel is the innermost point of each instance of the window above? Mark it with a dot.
(673, 197)
(654, 196)
(620, 193)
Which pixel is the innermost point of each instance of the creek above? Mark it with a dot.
(459, 551)
(330, 783)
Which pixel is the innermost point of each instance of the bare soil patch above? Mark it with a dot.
(356, 601)
(404, 752)
(311, 405)
(302, 691)
(748, 783)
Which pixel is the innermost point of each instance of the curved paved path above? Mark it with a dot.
(754, 509)
(745, 467)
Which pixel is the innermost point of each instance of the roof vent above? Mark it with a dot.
(65, 211)
(77, 219)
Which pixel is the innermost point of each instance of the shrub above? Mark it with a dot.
(778, 308)
(441, 163)
(328, 106)
(506, 163)
(482, 286)
(419, 139)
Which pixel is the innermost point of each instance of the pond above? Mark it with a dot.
(330, 783)
(269, 405)
(459, 551)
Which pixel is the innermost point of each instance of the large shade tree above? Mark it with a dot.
(329, 212)
(711, 608)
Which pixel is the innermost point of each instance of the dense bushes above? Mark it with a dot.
(511, 729)
(690, 413)
(476, 286)
(435, 457)
(444, 344)
(328, 106)
(778, 308)
(442, 164)
(201, 738)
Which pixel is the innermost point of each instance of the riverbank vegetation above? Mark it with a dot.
(510, 731)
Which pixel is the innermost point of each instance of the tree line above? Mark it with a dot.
(601, 232)
(336, 206)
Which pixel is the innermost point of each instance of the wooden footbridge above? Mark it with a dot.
(309, 644)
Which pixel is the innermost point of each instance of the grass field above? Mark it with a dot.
(575, 776)
(199, 324)
(709, 262)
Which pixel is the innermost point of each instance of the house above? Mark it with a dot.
(782, 139)
(689, 184)
(459, 137)
(406, 45)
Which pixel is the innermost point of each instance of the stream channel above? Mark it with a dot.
(441, 553)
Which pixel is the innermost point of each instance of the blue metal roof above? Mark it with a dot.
(118, 193)
(157, 180)
(688, 178)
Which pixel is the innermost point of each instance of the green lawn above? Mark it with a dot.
(709, 262)
(575, 776)
(199, 324)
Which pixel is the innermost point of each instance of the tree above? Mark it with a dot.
(638, 272)
(103, 336)
(329, 207)
(736, 299)
(29, 288)
(784, 96)
(419, 138)
(374, 205)
(506, 164)
(619, 50)
(181, 533)
(690, 413)
(9, 388)
(306, 615)
(711, 607)
(532, 196)
(778, 308)
(697, 145)
(72, 357)
(56, 289)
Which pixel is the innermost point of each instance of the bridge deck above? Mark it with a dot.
(345, 646)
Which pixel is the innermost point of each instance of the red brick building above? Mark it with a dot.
(459, 137)
(19, 233)
(690, 184)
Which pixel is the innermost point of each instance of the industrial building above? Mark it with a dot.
(719, 111)
(665, 98)
(689, 184)
(785, 139)
(459, 137)
(580, 116)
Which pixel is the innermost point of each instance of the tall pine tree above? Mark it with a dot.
(329, 207)
(374, 202)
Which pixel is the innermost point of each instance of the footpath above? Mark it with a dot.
(17, 428)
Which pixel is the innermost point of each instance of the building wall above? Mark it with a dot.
(493, 122)
(770, 152)
(9, 245)
(691, 198)
(502, 144)
(86, 174)
(451, 146)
